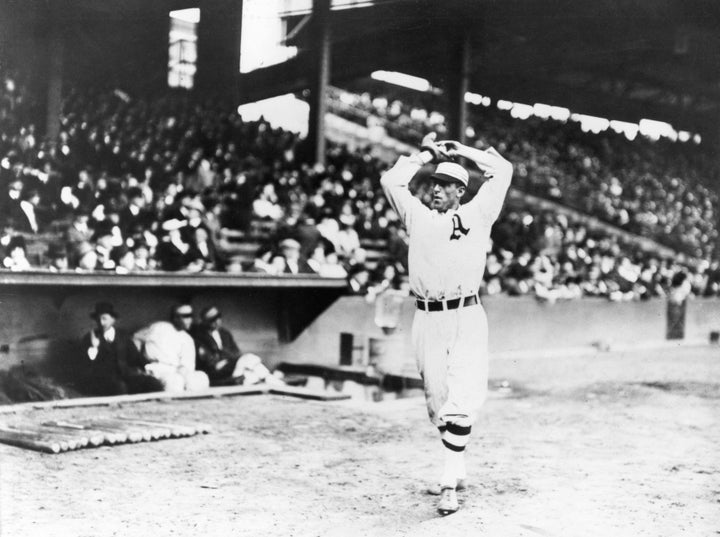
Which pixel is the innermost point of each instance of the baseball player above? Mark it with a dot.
(448, 247)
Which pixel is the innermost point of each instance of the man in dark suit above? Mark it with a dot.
(294, 262)
(174, 253)
(219, 356)
(112, 362)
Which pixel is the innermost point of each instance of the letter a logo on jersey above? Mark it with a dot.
(458, 229)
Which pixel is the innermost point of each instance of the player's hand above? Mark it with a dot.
(495, 165)
(492, 163)
(451, 148)
(94, 340)
(428, 144)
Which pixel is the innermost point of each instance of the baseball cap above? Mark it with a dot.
(451, 171)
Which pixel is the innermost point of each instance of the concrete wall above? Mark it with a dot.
(516, 324)
(40, 322)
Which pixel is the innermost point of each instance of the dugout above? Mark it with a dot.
(43, 315)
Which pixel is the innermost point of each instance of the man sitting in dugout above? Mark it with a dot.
(219, 356)
(112, 363)
(169, 351)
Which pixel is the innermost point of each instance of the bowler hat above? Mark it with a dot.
(101, 308)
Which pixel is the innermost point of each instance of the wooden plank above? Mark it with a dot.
(176, 430)
(220, 391)
(134, 433)
(94, 438)
(112, 436)
(201, 428)
(157, 432)
(45, 436)
(171, 279)
(72, 438)
(28, 441)
(98, 401)
(330, 372)
(132, 398)
(305, 393)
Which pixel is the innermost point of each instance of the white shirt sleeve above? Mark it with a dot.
(491, 196)
(395, 184)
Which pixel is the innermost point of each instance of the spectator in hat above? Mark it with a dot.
(7, 233)
(31, 215)
(124, 259)
(57, 257)
(143, 258)
(219, 356)
(112, 364)
(16, 256)
(203, 248)
(10, 203)
(169, 351)
(294, 262)
(347, 239)
(78, 231)
(135, 214)
(105, 244)
(86, 256)
(174, 253)
(358, 280)
(325, 261)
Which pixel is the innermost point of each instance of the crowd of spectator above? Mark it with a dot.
(140, 184)
(659, 189)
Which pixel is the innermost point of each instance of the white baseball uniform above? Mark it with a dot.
(447, 255)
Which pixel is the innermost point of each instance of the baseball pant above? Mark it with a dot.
(175, 380)
(451, 349)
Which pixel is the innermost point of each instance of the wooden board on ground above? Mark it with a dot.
(305, 393)
(58, 437)
(221, 391)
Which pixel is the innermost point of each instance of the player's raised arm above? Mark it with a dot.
(494, 166)
(396, 180)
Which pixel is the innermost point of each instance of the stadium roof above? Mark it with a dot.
(625, 59)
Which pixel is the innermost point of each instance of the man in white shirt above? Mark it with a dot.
(169, 350)
(448, 246)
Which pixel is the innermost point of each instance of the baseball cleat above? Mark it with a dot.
(436, 490)
(448, 503)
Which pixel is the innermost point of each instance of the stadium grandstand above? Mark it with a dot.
(195, 209)
(129, 150)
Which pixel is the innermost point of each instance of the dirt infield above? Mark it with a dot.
(611, 444)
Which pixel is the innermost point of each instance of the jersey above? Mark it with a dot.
(447, 251)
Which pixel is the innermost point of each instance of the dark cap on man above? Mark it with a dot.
(210, 314)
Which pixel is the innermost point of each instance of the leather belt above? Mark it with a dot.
(452, 304)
